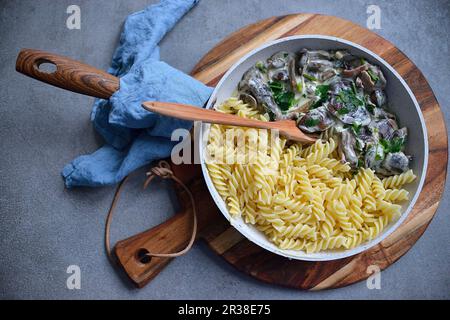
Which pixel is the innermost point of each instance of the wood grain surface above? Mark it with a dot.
(69, 74)
(250, 258)
(287, 128)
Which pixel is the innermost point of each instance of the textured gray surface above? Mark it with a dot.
(45, 228)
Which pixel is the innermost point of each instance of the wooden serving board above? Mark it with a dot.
(229, 243)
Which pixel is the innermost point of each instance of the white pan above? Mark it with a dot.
(400, 100)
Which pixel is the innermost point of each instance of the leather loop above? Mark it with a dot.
(164, 172)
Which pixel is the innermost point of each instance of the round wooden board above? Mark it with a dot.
(268, 267)
(174, 234)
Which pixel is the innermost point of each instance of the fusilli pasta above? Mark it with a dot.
(301, 198)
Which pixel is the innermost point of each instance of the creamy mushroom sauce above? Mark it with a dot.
(336, 94)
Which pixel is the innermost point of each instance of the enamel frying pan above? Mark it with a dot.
(84, 79)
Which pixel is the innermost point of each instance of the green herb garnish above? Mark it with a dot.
(343, 110)
(309, 77)
(349, 100)
(370, 108)
(360, 163)
(392, 146)
(354, 88)
(373, 76)
(322, 93)
(348, 97)
(261, 67)
(356, 128)
(276, 86)
(311, 122)
(283, 98)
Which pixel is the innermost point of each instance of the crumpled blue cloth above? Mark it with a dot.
(135, 137)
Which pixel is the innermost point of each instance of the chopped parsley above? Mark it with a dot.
(322, 93)
(373, 76)
(348, 97)
(309, 77)
(360, 163)
(276, 86)
(349, 100)
(283, 98)
(343, 110)
(392, 146)
(355, 127)
(310, 122)
(261, 67)
(354, 88)
(370, 107)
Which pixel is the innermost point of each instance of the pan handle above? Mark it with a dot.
(67, 73)
(170, 236)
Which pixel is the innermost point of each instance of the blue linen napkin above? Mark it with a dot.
(135, 137)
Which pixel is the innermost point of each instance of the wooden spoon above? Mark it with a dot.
(287, 128)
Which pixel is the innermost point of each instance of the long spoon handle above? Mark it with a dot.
(286, 128)
(186, 112)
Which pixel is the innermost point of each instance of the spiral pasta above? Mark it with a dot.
(399, 180)
(300, 197)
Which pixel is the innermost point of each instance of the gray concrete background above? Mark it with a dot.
(45, 228)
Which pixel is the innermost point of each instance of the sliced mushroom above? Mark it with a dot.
(379, 97)
(307, 55)
(370, 105)
(395, 163)
(386, 128)
(304, 60)
(327, 74)
(374, 156)
(319, 54)
(369, 85)
(380, 113)
(315, 61)
(279, 74)
(302, 106)
(350, 73)
(357, 115)
(292, 75)
(280, 66)
(400, 134)
(346, 148)
(366, 136)
(253, 82)
(381, 81)
(316, 120)
(310, 89)
(279, 59)
(320, 65)
(358, 83)
(341, 54)
(337, 85)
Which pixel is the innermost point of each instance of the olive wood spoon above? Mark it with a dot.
(286, 128)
